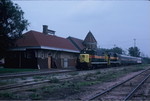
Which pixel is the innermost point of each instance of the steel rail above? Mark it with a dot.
(32, 74)
(22, 85)
(31, 83)
(104, 92)
(17, 85)
(136, 88)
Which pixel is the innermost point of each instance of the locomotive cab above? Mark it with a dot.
(84, 58)
(83, 61)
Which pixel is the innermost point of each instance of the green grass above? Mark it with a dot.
(111, 75)
(51, 88)
(7, 95)
(5, 82)
(33, 90)
(86, 83)
(23, 78)
(35, 96)
(100, 77)
(14, 70)
(54, 80)
(39, 77)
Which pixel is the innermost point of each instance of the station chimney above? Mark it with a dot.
(47, 31)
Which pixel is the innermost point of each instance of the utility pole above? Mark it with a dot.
(134, 42)
(134, 46)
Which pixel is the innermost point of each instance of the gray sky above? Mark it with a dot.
(111, 22)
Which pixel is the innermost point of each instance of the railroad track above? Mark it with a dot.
(34, 73)
(35, 82)
(125, 90)
(28, 74)
(31, 83)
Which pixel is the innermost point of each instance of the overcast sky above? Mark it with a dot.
(111, 22)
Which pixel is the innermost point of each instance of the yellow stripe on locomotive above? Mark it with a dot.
(84, 58)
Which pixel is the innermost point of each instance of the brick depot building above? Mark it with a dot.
(45, 50)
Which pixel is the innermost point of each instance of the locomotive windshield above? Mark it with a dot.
(88, 51)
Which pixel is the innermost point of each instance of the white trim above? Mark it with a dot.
(59, 49)
(18, 49)
(44, 47)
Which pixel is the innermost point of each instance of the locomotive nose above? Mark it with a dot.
(84, 58)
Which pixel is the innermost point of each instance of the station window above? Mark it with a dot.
(30, 54)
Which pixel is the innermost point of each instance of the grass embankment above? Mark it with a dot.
(58, 90)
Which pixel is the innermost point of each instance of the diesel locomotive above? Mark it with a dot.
(90, 59)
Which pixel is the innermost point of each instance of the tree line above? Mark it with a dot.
(132, 51)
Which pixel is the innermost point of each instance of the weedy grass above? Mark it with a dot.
(86, 83)
(54, 80)
(38, 77)
(74, 73)
(33, 90)
(3, 83)
(6, 95)
(98, 72)
(35, 96)
(89, 76)
(106, 77)
(9, 81)
(135, 68)
(23, 78)
(62, 89)
(50, 89)
(111, 75)
(115, 74)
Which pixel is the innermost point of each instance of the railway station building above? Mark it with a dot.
(45, 50)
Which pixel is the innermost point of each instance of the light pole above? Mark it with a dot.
(134, 42)
(134, 46)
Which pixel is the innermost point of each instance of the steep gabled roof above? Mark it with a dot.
(78, 43)
(34, 39)
(89, 38)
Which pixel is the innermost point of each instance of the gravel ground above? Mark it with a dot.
(84, 84)
(93, 89)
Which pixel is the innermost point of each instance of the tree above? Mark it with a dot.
(117, 50)
(134, 51)
(12, 24)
